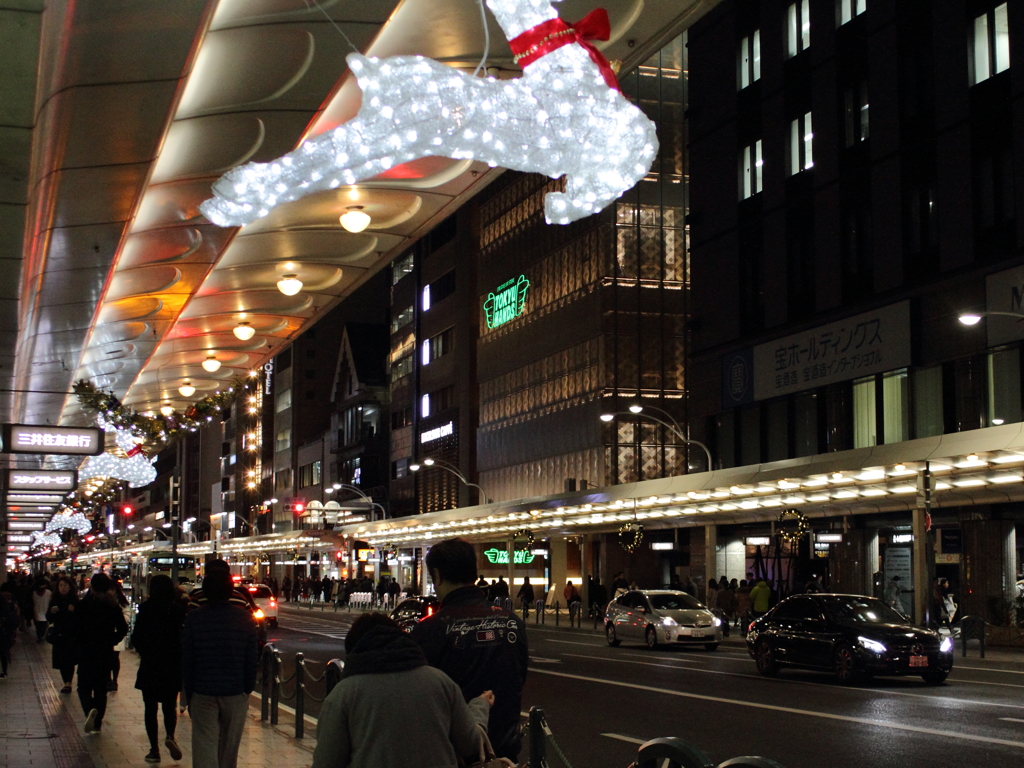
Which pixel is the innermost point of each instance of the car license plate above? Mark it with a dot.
(697, 633)
(919, 661)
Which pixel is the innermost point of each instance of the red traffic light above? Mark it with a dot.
(127, 509)
(300, 507)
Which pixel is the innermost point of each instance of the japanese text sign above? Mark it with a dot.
(42, 479)
(27, 438)
(870, 343)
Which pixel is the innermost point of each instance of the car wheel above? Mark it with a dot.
(651, 636)
(609, 633)
(845, 665)
(711, 646)
(934, 676)
(273, 623)
(764, 657)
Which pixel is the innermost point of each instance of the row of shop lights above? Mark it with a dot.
(838, 486)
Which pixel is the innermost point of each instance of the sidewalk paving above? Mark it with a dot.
(43, 728)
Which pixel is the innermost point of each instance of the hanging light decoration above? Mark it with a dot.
(244, 331)
(289, 285)
(211, 363)
(564, 117)
(186, 389)
(356, 220)
(166, 409)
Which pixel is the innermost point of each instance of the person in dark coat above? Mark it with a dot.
(99, 626)
(286, 589)
(10, 620)
(219, 656)
(157, 638)
(62, 623)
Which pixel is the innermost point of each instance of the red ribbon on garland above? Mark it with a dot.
(135, 451)
(553, 34)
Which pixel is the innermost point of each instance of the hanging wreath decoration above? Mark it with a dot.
(630, 536)
(523, 533)
(792, 536)
(389, 552)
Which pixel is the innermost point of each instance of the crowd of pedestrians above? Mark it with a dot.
(328, 589)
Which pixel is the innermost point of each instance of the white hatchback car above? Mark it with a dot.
(265, 601)
(658, 616)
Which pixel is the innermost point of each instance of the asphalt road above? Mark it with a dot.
(602, 702)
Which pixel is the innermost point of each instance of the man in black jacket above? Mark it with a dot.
(99, 626)
(219, 656)
(478, 645)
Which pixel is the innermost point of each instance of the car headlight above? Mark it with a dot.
(669, 621)
(946, 646)
(871, 645)
(718, 622)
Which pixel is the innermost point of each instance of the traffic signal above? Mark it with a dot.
(300, 508)
(126, 510)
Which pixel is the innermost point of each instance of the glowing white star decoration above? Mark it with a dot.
(565, 116)
(136, 469)
(50, 536)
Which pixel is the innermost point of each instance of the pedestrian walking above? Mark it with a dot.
(62, 630)
(40, 606)
(525, 594)
(743, 602)
(10, 620)
(157, 639)
(712, 595)
(894, 595)
(219, 653)
(480, 646)
(423, 721)
(126, 611)
(286, 589)
(500, 590)
(760, 598)
(328, 587)
(99, 626)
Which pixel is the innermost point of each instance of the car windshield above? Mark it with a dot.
(861, 610)
(673, 602)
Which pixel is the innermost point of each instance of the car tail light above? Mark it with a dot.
(258, 613)
(430, 610)
(252, 589)
(750, 628)
(273, 603)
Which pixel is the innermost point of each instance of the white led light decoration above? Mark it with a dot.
(136, 468)
(50, 537)
(564, 116)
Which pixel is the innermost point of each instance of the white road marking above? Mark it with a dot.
(321, 628)
(661, 656)
(573, 642)
(810, 682)
(984, 669)
(789, 710)
(620, 737)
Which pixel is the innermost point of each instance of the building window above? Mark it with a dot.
(310, 474)
(402, 267)
(751, 164)
(437, 346)
(400, 468)
(426, 297)
(798, 28)
(283, 480)
(402, 318)
(443, 287)
(990, 45)
(442, 399)
(857, 114)
(865, 421)
(927, 389)
(284, 401)
(425, 406)
(847, 9)
(801, 139)
(750, 59)
(283, 441)
(401, 367)
(1004, 393)
(401, 418)
(895, 407)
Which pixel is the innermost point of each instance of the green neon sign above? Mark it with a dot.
(500, 556)
(507, 302)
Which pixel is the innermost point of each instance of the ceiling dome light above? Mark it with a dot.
(166, 409)
(356, 220)
(186, 389)
(970, 319)
(244, 331)
(211, 364)
(289, 285)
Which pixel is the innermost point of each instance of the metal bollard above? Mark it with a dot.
(597, 614)
(537, 738)
(557, 606)
(275, 691)
(266, 664)
(300, 695)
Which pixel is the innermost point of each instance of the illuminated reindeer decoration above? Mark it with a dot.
(565, 116)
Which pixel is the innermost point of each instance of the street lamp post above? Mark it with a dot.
(448, 467)
(362, 494)
(636, 410)
(973, 318)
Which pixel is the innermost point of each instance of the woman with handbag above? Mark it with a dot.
(390, 708)
(62, 630)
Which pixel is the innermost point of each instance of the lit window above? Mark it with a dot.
(401, 319)
(801, 139)
(425, 352)
(857, 114)
(751, 164)
(990, 48)
(425, 406)
(798, 28)
(426, 297)
(750, 59)
(850, 8)
(401, 268)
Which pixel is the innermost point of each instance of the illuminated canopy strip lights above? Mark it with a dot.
(560, 119)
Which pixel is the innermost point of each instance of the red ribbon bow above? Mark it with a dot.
(553, 34)
(135, 451)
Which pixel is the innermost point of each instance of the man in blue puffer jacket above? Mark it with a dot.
(219, 656)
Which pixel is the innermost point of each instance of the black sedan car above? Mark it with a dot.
(411, 610)
(852, 636)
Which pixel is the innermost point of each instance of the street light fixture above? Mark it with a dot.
(448, 467)
(362, 494)
(636, 410)
(973, 318)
